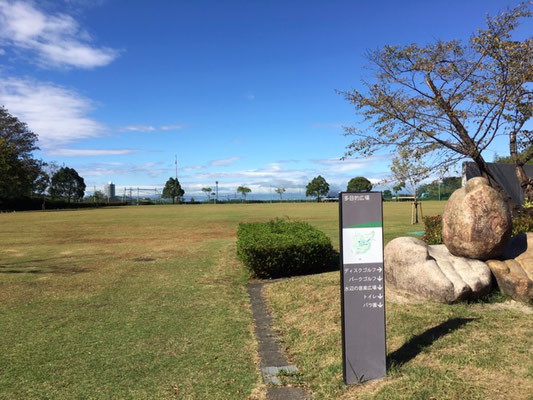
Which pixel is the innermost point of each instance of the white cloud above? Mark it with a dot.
(349, 164)
(250, 96)
(138, 128)
(57, 39)
(90, 152)
(276, 174)
(56, 114)
(114, 171)
(224, 162)
(171, 127)
(192, 168)
(2, 52)
(270, 172)
(327, 125)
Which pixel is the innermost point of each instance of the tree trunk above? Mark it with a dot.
(525, 183)
(484, 170)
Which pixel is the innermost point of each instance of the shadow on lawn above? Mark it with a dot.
(418, 343)
(37, 267)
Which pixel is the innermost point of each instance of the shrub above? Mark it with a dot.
(523, 222)
(433, 231)
(282, 248)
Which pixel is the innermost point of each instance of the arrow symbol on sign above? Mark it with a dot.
(380, 296)
(380, 278)
(380, 287)
(379, 269)
(380, 305)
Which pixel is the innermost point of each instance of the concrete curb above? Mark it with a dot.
(272, 359)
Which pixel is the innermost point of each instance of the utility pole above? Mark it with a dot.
(216, 195)
(176, 174)
(137, 195)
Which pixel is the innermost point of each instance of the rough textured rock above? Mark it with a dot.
(476, 222)
(515, 273)
(433, 273)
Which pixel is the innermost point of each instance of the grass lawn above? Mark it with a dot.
(137, 302)
(434, 351)
(150, 302)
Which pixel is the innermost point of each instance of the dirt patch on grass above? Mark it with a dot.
(13, 252)
(399, 297)
(499, 384)
(366, 389)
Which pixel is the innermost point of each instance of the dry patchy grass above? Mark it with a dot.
(477, 350)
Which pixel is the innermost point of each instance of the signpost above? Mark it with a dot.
(362, 287)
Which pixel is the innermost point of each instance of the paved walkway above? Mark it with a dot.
(273, 360)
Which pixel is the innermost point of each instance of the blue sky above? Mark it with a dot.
(243, 92)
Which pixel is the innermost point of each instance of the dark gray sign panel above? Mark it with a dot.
(362, 287)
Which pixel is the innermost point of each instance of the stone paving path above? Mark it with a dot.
(272, 358)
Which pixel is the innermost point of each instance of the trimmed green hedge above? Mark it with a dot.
(281, 248)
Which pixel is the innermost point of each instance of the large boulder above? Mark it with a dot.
(476, 222)
(431, 272)
(515, 273)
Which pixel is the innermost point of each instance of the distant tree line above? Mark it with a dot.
(22, 176)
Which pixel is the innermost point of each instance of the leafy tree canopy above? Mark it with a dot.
(359, 184)
(172, 190)
(448, 100)
(280, 191)
(508, 159)
(207, 191)
(440, 190)
(243, 190)
(317, 187)
(408, 171)
(67, 184)
(20, 173)
(399, 186)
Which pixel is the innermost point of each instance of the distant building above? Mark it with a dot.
(109, 190)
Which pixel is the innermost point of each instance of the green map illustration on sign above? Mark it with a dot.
(362, 245)
(362, 241)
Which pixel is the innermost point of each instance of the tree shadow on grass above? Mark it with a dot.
(417, 344)
(36, 267)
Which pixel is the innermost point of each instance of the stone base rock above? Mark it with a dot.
(476, 222)
(432, 272)
(515, 273)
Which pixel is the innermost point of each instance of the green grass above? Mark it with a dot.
(482, 350)
(123, 303)
(140, 302)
